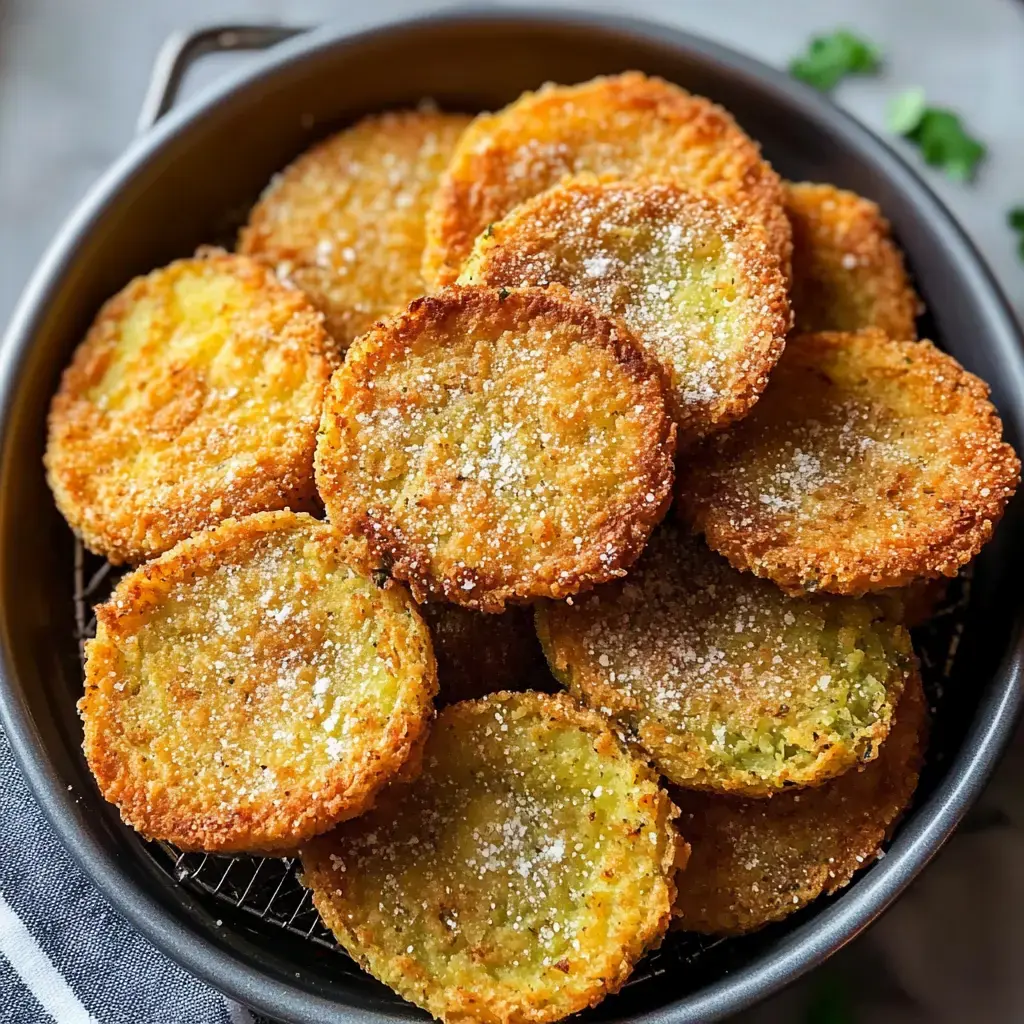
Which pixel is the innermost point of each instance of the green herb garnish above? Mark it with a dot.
(831, 58)
(905, 111)
(830, 1000)
(1015, 218)
(938, 133)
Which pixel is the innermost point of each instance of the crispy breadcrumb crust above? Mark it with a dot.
(204, 662)
(847, 272)
(867, 463)
(622, 126)
(918, 602)
(701, 290)
(487, 892)
(479, 654)
(194, 397)
(728, 684)
(345, 221)
(497, 445)
(758, 861)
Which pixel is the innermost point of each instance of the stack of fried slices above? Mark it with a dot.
(585, 370)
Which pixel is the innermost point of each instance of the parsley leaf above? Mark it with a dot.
(938, 133)
(905, 111)
(830, 58)
(1015, 218)
(945, 143)
(830, 1001)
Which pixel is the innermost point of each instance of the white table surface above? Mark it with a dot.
(72, 75)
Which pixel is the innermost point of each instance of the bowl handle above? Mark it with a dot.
(182, 49)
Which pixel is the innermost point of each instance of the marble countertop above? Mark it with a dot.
(72, 77)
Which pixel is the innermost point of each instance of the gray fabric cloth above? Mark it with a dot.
(65, 956)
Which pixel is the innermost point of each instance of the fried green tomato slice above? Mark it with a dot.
(519, 879)
(345, 221)
(757, 861)
(247, 689)
(194, 397)
(700, 290)
(847, 272)
(479, 654)
(727, 683)
(918, 602)
(497, 445)
(866, 464)
(622, 126)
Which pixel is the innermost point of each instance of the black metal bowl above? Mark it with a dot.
(185, 183)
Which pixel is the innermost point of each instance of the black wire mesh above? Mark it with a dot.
(268, 891)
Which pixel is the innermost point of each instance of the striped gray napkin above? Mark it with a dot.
(65, 956)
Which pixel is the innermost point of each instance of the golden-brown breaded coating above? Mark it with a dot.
(519, 879)
(847, 272)
(866, 464)
(479, 654)
(623, 126)
(247, 690)
(727, 683)
(497, 445)
(918, 602)
(194, 397)
(757, 861)
(345, 221)
(700, 290)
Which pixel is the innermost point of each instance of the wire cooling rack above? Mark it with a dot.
(268, 892)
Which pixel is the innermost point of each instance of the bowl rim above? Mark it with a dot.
(812, 941)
